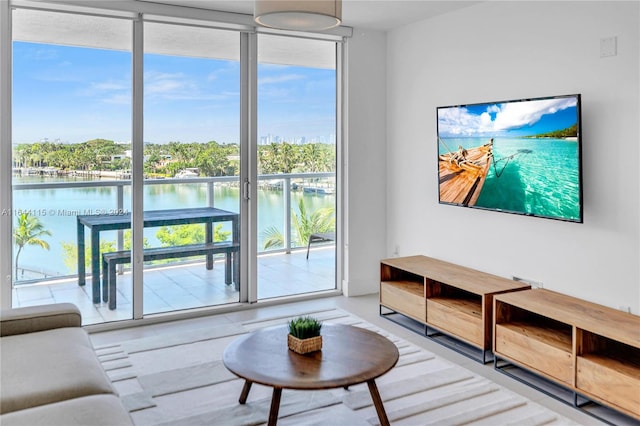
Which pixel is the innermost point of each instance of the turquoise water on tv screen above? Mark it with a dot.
(532, 176)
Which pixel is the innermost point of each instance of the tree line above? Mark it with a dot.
(165, 160)
(569, 132)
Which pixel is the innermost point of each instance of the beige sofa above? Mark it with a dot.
(49, 372)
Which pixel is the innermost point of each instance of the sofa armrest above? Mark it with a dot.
(39, 318)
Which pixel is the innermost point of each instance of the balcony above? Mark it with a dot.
(284, 274)
(181, 285)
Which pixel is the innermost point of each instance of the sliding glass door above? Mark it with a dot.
(71, 125)
(191, 164)
(297, 86)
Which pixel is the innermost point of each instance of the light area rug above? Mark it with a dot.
(178, 378)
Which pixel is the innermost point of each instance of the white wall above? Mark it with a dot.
(365, 204)
(506, 50)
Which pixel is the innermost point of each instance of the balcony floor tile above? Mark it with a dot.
(189, 285)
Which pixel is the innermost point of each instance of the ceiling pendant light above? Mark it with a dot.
(301, 15)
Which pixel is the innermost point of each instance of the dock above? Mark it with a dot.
(462, 174)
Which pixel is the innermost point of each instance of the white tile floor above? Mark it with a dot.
(184, 286)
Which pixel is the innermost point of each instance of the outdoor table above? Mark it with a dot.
(152, 218)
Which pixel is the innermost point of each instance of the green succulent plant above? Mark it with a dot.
(304, 327)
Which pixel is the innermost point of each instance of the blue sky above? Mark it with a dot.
(75, 94)
(520, 118)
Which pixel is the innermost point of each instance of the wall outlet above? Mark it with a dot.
(533, 284)
(624, 308)
(396, 251)
(608, 46)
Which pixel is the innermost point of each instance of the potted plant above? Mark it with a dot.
(304, 335)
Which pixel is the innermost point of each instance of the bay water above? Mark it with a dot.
(536, 176)
(57, 209)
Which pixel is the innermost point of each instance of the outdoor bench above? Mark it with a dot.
(111, 259)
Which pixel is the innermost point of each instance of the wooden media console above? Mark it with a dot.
(591, 350)
(452, 302)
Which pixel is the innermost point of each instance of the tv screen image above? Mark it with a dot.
(519, 156)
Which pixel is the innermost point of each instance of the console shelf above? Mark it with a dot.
(591, 350)
(454, 300)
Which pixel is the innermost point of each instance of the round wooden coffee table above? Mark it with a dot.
(349, 356)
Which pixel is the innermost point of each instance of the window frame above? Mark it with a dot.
(139, 13)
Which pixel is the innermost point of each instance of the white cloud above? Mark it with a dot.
(167, 84)
(514, 115)
(110, 85)
(118, 99)
(510, 115)
(459, 122)
(176, 86)
(280, 79)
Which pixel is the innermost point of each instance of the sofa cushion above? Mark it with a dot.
(95, 410)
(39, 318)
(49, 366)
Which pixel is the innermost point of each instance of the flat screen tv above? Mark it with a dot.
(519, 156)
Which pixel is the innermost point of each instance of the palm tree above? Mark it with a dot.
(177, 235)
(322, 220)
(27, 233)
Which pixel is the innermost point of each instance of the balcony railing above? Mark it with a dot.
(320, 183)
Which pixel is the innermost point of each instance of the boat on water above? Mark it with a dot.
(462, 173)
(319, 190)
(191, 172)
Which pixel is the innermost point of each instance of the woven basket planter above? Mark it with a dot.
(304, 346)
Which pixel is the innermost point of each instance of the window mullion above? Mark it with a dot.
(137, 168)
(248, 166)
